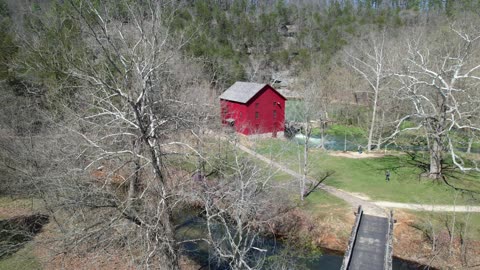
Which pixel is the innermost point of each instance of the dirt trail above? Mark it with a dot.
(377, 208)
(430, 207)
(368, 207)
(357, 155)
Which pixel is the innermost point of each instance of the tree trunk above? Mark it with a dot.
(379, 141)
(164, 230)
(372, 125)
(436, 144)
(305, 163)
(435, 159)
(452, 231)
(322, 130)
(170, 246)
(469, 147)
(464, 248)
(135, 180)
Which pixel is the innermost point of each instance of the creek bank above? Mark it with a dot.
(414, 245)
(282, 247)
(352, 143)
(17, 231)
(306, 248)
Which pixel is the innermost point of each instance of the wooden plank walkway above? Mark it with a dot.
(370, 245)
(369, 249)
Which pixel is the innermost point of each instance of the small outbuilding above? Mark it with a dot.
(253, 108)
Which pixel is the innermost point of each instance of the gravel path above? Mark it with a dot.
(376, 208)
(430, 207)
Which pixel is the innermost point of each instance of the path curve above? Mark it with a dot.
(376, 208)
(368, 207)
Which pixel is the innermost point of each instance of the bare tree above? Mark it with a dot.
(311, 111)
(240, 202)
(131, 119)
(471, 137)
(230, 218)
(369, 60)
(24, 142)
(439, 79)
(131, 95)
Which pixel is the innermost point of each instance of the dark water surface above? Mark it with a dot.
(338, 143)
(191, 226)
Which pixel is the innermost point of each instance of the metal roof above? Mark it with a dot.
(242, 91)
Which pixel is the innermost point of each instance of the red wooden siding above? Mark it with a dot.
(236, 111)
(264, 113)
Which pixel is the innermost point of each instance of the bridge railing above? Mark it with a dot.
(389, 244)
(351, 241)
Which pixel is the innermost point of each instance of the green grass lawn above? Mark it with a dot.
(367, 176)
(15, 202)
(318, 202)
(23, 259)
(322, 203)
(11, 206)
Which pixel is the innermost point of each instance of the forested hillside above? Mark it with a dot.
(110, 116)
(251, 40)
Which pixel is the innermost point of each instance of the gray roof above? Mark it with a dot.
(242, 91)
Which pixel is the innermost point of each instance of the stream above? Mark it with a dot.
(16, 232)
(351, 143)
(191, 226)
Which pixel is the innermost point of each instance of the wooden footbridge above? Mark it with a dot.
(370, 245)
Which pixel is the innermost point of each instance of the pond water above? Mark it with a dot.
(192, 227)
(351, 143)
(337, 143)
(332, 142)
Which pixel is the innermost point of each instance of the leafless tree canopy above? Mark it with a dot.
(439, 76)
(110, 114)
(132, 93)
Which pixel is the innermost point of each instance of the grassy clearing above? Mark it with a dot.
(190, 165)
(13, 202)
(23, 259)
(221, 152)
(367, 176)
(13, 206)
(322, 204)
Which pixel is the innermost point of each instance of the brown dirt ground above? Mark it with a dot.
(47, 251)
(411, 244)
(330, 231)
(112, 259)
(6, 212)
(356, 155)
(15, 207)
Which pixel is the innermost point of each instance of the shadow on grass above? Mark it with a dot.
(18, 231)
